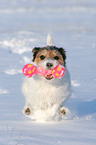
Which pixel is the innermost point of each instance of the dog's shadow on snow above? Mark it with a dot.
(81, 108)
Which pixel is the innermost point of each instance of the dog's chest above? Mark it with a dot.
(44, 94)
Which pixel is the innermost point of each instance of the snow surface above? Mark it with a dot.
(25, 24)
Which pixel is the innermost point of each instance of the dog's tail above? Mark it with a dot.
(49, 40)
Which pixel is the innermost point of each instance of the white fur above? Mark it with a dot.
(43, 63)
(44, 97)
(49, 40)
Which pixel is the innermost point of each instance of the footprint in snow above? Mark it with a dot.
(12, 71)
(3, 91)
(74, 83)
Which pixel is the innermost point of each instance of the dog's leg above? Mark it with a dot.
(27, 109)
(62, 111)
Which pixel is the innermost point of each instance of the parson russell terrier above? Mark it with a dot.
(45, 96)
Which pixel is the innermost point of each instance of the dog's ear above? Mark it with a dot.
(63, 52)
(35, 51)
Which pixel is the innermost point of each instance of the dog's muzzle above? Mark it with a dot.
(49, 77)
(49, 65)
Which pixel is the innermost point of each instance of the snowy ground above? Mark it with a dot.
(25, 24)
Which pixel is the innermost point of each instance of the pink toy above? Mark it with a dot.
(29, 70)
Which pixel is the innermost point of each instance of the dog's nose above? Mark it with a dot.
(49, 65)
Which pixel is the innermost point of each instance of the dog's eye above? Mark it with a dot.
(42, 57)
(56, 57)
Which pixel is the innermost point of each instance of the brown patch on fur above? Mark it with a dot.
(54, 53)
(40, 53)
(49, 54)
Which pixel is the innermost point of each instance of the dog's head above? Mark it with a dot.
(49, 57)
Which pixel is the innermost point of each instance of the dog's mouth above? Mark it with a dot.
(49, 77)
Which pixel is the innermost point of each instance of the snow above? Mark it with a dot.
(3, 91)
(24, 25)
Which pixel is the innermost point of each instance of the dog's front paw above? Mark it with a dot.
(27, 111)
(62, 111)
